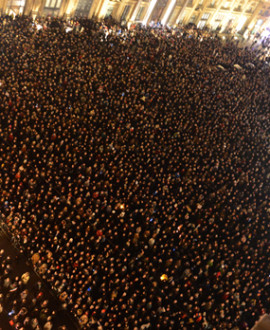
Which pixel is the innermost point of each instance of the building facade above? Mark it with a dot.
(242, 16)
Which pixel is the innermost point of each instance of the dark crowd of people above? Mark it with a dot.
(25, 305)
(134, 171)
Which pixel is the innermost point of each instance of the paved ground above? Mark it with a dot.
(21, 266)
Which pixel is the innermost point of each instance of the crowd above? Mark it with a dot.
(134, 172)
(24, 305)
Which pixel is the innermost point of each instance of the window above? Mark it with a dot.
(239, 8)
(192, 19)
(139, 14)
(215, 25)
(125, 12)
(109, 11)
(201, 25)
(250, 9)
(158, 10)
(205, 16)
(219, 17)
(181, 18)
(55, 4)
(241, 22)
(83, 8)
(15, 6)
(226, 5)
(259, 22)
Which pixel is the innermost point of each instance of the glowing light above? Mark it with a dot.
(103, 9)
(241, 22)
(168, 12)
(133, 17)
(68, 29)
(149, 11)
(69, 8)
(164, 277)
(265, 33)
(12, 13)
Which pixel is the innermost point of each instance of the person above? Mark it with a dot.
(128, 156)
(19, 303)
(25, 278)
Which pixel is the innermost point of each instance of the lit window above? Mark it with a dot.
(15, 6)
(201, 24)
(58, 3)
(192, 19)
(54, 4)
(215, 25)
(83, 7)
(139, 14)
(219, 17)
(241, 22)
(205, 16)
(109, 11)
(259, 22)
(125, 12)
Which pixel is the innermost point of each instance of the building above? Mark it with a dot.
(242, 16)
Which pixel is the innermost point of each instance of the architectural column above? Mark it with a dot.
(201, 10)
(149, 11)
(192, 10)
(63, 7)
(245, 7)
(135, 11)
(229, 17)
(3, 6)
(40, 8)
(101, 10)
(167, 11)
(34, 7)
(119, 11)
(70, 8)
(242, 16)
(181, 12)
(28, 7)
(233, 6)
(220, 4)
(252, 19)
(94, 8)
